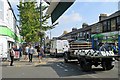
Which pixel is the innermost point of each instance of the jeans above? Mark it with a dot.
(30, 57)
(12, 60)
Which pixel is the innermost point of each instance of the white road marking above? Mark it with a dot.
(66, 66)
(65, 70)
(58, 65)
(61, 67)
(92, 76)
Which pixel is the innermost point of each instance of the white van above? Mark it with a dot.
(58, 47)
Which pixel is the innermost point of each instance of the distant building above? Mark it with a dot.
(82, 33)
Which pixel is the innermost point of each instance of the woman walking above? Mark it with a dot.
(40, 54)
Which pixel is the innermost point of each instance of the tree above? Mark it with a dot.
(29, 15)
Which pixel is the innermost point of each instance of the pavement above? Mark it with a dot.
(26, 63)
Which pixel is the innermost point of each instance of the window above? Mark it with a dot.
(109, 26)
(80, 34)
(1, 10)
(88, 35)
(118, 22)
(113, 25)
(104, 26)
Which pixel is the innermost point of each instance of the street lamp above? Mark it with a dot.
(40, 21)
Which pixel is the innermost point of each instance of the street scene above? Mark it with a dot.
(60, 39)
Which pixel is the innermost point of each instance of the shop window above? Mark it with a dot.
(1, 10)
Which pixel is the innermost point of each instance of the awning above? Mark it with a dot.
(4, 31)
(57, 8)
(98, 35)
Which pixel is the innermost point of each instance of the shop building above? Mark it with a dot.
(106, 30)
(9, 31)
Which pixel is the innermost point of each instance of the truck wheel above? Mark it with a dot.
(55, 55)
(66, 58)
(107, 65)
(86, 66)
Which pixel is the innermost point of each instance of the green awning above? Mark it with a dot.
(98, 36)
(7, 32)
(56, 9)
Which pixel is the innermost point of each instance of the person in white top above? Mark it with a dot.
(26, 52)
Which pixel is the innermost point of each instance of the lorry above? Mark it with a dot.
(58, 47)
(86, 56)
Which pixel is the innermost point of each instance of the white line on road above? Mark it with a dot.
(92, 76)
(58, 65)
(65, 70)
(61, 67)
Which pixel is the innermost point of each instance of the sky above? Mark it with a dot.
(82, 11)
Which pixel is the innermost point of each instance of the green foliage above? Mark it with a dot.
(30, 21)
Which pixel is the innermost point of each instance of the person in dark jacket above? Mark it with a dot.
(12, 54)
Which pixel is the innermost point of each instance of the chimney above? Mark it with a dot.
(84, 25)
(102, 17)
(74, 29)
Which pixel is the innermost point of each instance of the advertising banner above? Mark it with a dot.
(17, 55)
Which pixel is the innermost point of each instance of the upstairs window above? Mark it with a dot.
(104, 26)
(1, 10)
(118, 23)
(109, 25)
(113, 24)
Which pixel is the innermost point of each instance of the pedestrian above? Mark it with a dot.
(31, 52)
(26, 52)
(40, 54)
(38, 49)
(12, 54)
(20, 50)
(115, 48)
(101, 47)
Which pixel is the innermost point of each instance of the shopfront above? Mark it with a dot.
(108, 37)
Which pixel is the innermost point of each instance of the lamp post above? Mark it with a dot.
(119, 41)
(40, 21)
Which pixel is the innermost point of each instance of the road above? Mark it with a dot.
(53, 68)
